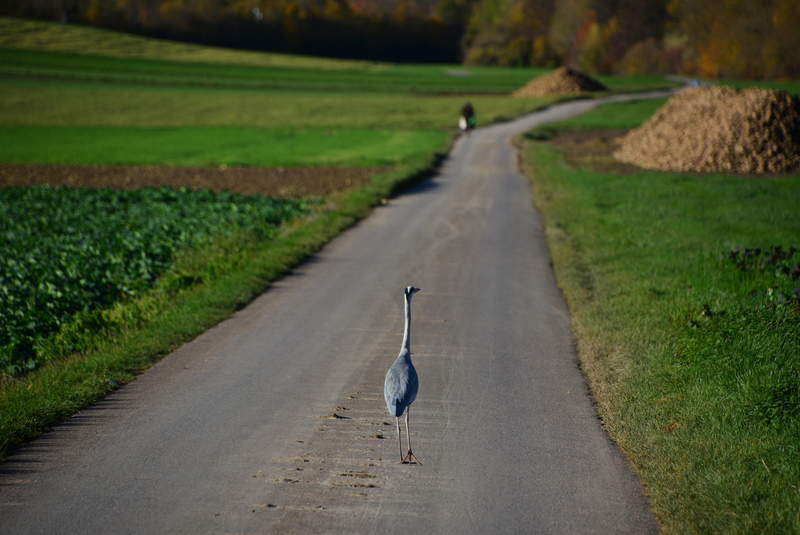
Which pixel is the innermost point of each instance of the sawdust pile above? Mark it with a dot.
(719, 129)
(562, 81)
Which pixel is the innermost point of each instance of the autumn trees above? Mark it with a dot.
(741, 38)
(708, 38)
(394, 30)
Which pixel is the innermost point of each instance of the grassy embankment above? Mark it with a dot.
(693, 351)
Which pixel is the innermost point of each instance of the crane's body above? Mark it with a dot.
(401, 384)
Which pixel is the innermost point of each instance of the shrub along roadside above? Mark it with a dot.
(204, 287)
(690, 342)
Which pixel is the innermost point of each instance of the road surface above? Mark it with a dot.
(274, 421)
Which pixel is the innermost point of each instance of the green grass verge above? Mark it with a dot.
(616, 115)
(791, 87)
(692, 357)
(213, 145)
(204, 286)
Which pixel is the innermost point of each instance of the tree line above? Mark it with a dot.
(706, 38)
(400, 32)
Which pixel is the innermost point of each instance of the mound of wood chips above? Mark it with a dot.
(719, 129)
(562, 81)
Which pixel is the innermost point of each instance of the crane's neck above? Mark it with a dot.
(407, 331)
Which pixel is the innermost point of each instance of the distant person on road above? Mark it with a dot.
(467, 120)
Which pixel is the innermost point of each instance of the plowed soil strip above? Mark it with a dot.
(303, 181)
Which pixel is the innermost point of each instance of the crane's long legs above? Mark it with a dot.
(399, 442)
(409, 455)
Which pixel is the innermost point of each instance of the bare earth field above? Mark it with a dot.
(593, 149)
(304, 181)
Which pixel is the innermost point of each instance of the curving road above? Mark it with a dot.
(274, 422)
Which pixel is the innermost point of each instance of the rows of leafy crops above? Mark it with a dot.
(64, 251)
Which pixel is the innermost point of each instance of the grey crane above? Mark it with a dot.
(401, 384)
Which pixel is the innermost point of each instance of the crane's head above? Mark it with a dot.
(410, 291)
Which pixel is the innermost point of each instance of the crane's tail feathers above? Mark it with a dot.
(396, 407)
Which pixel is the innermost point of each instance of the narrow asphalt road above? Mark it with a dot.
(274, 421)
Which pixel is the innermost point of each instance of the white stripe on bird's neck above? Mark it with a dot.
(407, 331)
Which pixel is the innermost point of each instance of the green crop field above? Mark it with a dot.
(69, 251)
(684, 290)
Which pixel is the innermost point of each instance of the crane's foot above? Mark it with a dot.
(408, 458)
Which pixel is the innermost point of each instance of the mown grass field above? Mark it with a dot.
(214, 145)
(691, 341)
